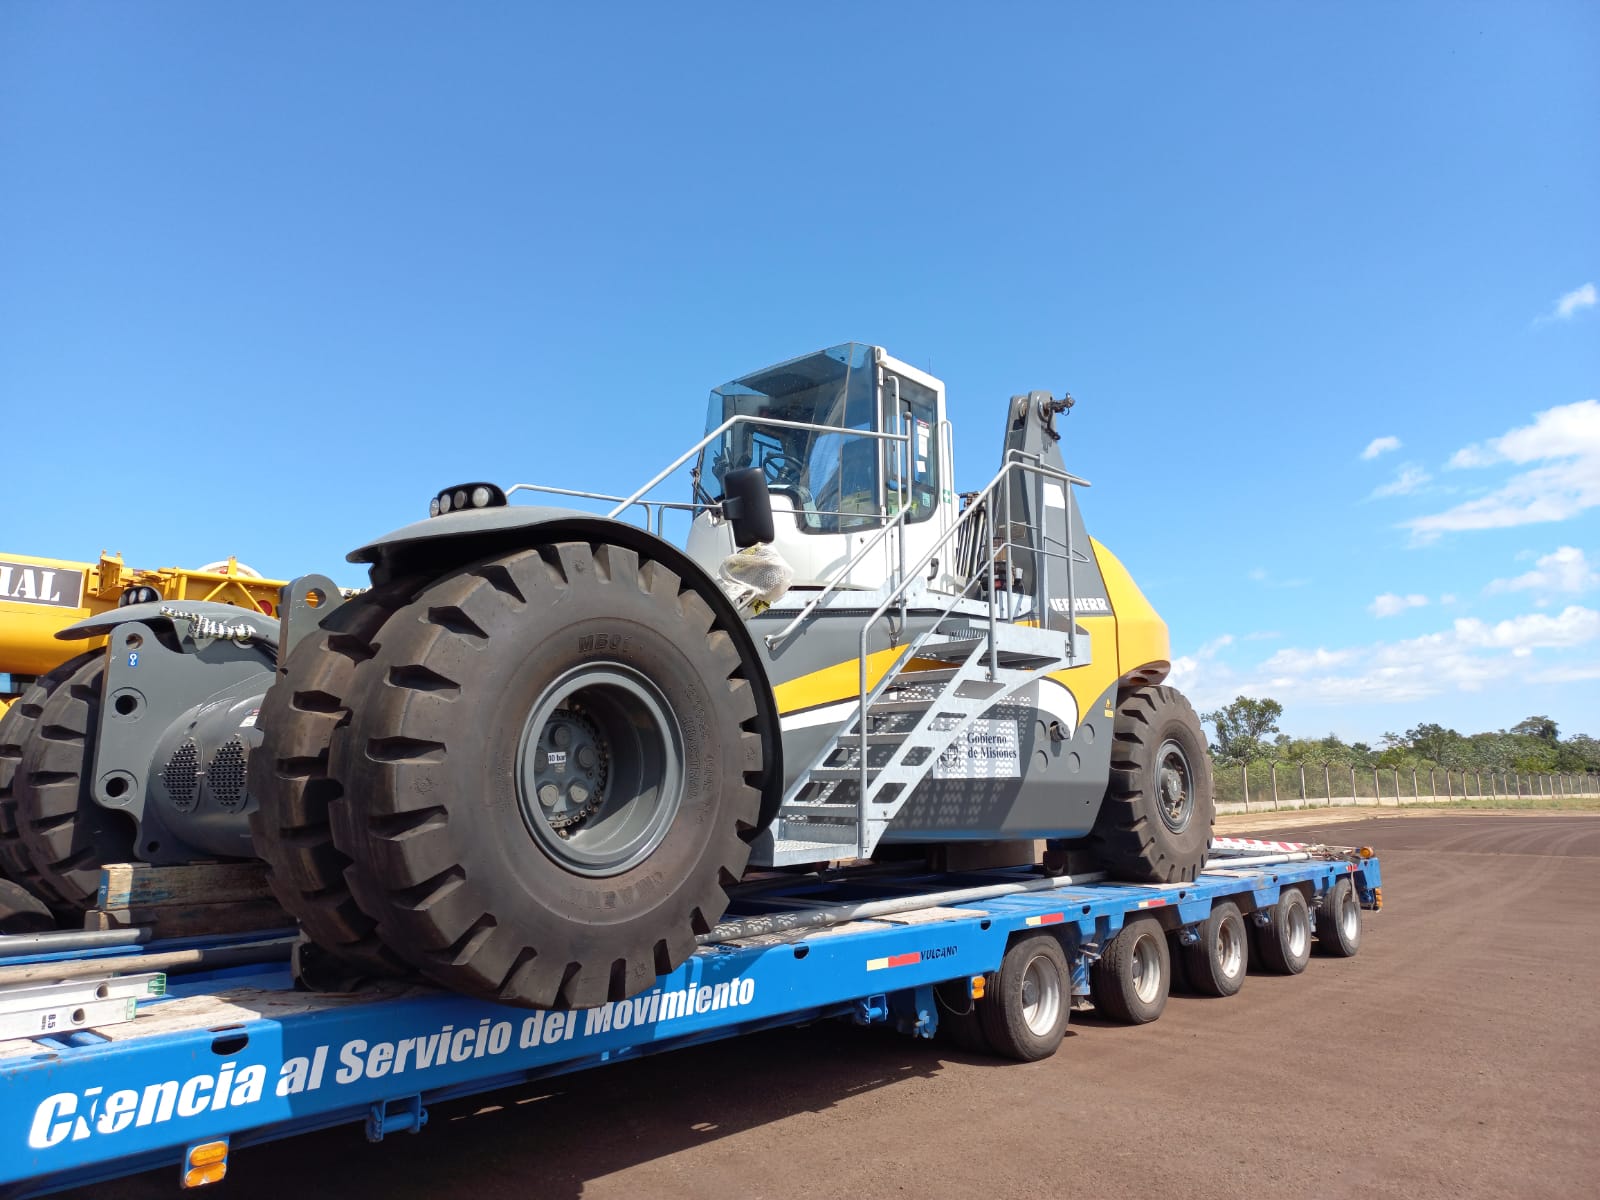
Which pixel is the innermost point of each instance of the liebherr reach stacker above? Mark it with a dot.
(530, 760)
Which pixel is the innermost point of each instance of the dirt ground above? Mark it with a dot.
(1457, 1055)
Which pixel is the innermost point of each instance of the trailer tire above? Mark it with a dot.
(1154, 825)
(17, 726)
(958, 1017)
(67, 835)
(550, 768)
(1339, 921)
(1283, 944)
(1217, 963)
(291, 828)
(1025, 1016)
(1133, 978)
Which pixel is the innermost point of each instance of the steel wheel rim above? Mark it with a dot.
(637, 747)
(1230, 948)
(1174, 786)
(1146, 968)
(1041, 995)
(1348, 915)
(1297, 934)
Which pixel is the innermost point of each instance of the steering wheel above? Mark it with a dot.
(779, 470)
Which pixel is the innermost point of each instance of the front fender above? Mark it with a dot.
(101, 624)
(437, 545)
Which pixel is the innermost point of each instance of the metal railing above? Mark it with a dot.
(1266, 785)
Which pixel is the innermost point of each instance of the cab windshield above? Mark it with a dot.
(832, 478)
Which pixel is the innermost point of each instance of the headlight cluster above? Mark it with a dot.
(466, 495)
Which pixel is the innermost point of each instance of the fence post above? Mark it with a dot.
(1272, 774)
(1244, 775)
(1327, 782)
(1304, 799)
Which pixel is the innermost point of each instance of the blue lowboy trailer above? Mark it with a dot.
(232, 1055)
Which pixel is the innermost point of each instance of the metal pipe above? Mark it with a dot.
(18, 944)
(820, 918)
(1257, 860)
(172, 962)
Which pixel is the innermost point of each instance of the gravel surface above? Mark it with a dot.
(1457, 1055)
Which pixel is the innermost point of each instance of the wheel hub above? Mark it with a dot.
(599, 769)
(1175, 787)
(570, 768)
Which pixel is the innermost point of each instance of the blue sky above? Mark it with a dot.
(270, 274)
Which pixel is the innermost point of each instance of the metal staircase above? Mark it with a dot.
(968, 659)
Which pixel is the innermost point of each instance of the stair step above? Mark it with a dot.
(835, 812)
(850, 774)
(897, 706)
(919, 678)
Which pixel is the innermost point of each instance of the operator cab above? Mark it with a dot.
(846, 438)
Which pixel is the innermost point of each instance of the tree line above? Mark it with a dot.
(1247, 731)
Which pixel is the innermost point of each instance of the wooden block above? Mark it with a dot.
(192, 920)
(136, 885)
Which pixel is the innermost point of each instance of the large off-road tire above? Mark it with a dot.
(67, 836)
(290, 829)
(17, 726)
(1154, 825)
(1025, 1014)
(550, 763)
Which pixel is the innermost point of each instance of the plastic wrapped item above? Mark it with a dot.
(754, 579)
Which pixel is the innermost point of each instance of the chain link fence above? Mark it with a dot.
(1269, 785)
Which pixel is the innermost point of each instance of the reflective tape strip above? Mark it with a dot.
(1256, 844)
(1152, 903)
(1047, 919)
(895, 960)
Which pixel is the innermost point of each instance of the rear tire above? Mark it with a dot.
(1339, 921)
(17, 726)
(1283, 944)
(1133, 978)
(1025, 1015)
(1217, 963)
(549, 768)
(67, 836)
(1154, 825)
(21, 911)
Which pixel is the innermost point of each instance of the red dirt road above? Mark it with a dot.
(1457, 1055)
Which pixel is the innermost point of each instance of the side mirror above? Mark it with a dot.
(747, 506)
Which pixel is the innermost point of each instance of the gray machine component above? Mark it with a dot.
(183, 682)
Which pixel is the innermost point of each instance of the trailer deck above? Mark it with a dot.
(236, 1056)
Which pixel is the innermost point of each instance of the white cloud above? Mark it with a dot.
(1566, 569)
(1410, 478)
(1389, 604)
(1561, 450)
(1469, 656)
(1574, 302)
(1379, 445)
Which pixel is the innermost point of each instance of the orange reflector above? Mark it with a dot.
(200, 1176)
(978, 984)
(1365, 852)
(1377, 898)
(207, 1153)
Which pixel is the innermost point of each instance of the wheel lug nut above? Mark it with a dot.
(549, 794)
(586, 757)
(562, 736)
(578, 794)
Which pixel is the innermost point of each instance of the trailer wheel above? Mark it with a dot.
(1283, 944)
(1026, 1015)
(291, 828)
(17, 726)
(1131, 981)
(1216, 964)
(69, 837)
(549, 768)
(1339, 921)
(958, 1017)
(1154, 825)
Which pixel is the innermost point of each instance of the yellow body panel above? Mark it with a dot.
(40, 596)
(1144, 647)
(842, 681)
